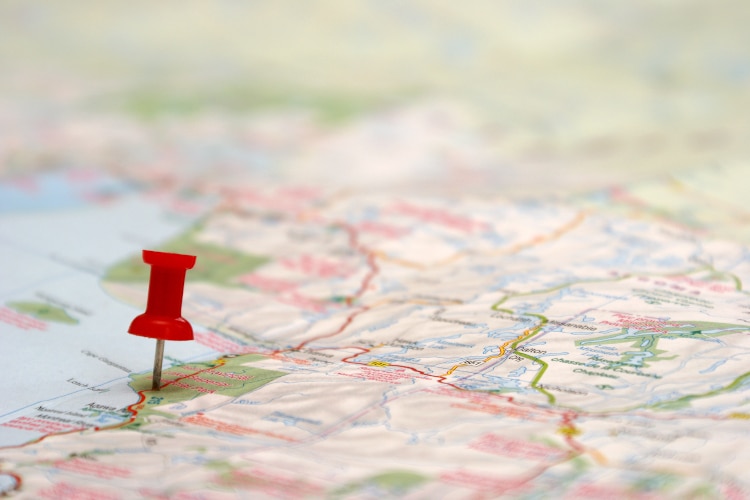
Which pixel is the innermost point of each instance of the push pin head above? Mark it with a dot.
(163, 317)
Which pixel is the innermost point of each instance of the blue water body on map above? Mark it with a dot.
(713, 367)
(503, 382)
(504, 333)
(668, 262)
(59, 191)
(639, 357)
(484, 270)
(457, 243)
(628, 334)
(537, 343)
(7, 483)
(724, 330)
(704, 338)
(391, 286)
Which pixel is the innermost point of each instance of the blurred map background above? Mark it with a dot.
(511, 97)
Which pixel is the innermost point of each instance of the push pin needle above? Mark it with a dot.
(158, 359)
(163, 317)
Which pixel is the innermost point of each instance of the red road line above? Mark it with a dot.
(567, 422)
(441, 379)
(42, 438)
(142, 397)
(374, 269)
(339, 330)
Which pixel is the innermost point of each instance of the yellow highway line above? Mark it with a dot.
(525, 334)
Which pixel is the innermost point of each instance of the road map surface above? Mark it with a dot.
(452, 293)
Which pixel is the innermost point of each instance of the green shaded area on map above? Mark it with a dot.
(388, 483)
(227, 376)
(646, 342)
(44, 312)
(330, 107)
(214, 264)
(662, 482)
(543, 320)
(684, 401)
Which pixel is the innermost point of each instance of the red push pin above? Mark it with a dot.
(163, 317)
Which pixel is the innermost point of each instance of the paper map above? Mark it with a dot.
(410, 299)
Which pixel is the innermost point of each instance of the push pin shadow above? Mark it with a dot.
(163, 317)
